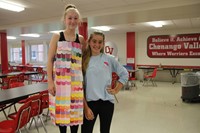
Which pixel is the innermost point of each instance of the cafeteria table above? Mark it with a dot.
(3, 75)
(174, 70)
(12, 96)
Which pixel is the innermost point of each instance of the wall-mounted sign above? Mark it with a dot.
(130, 61)
(111, 48)
(174, 46)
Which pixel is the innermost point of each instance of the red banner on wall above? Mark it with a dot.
(174, 46)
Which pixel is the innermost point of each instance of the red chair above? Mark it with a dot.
(45, 102)
(29, 68)
(41, 77)
(16, 81)
(39, 69)
(35, 109)
(21, 120)
(131, 77)
(19, 68)
(150, 78)
(10, 68)
(5, 83)
(8, 130)
(131, 81)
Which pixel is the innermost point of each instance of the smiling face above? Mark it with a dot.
(96, 43)
(72, 19)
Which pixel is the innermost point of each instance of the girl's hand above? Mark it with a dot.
(89, 114)
(112, 91)
(51, 88)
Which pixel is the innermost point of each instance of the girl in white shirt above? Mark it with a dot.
(99, 97)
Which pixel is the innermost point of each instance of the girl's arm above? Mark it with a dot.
(83, 42)
(51, 54)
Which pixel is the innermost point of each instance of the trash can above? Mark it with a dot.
(198, 74)
(190, 86)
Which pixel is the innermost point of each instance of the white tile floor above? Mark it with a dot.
(149, 110)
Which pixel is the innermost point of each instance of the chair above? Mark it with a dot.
(10, 68)
(21, 120)
(19, 68)
(16, 81)
(41, 77)
(35, 108)
(43, 105)
(151, 77)
(132, 82)
(5, 83)
(45, 102)
(8, 130)
(131, 79)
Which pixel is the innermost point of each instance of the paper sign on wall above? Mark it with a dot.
(130, 61)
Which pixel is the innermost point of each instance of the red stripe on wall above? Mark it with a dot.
(23, 52)
(130, 49)
(4, 52)
(130, 43)
(83, 30)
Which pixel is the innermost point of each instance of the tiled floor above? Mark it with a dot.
(149, 110)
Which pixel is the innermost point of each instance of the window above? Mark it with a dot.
(16, 54)
(37, 53)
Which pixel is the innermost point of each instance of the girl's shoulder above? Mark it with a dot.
(56, 36)
(81, 38)
(108, 57)
(82, 41)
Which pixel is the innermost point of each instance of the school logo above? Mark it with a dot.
(111, 48)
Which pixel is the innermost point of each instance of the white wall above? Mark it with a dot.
(141, 52)
(142, 57)
(120, 41)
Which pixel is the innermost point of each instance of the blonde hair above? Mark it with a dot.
(88, 52)
(71, 7)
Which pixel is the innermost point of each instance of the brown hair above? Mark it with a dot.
(88, 52)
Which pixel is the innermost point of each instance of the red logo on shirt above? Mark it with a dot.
(106, 63)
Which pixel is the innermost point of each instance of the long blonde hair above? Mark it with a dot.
(88, 52)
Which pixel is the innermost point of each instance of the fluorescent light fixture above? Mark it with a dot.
(55, 31)
(102, 28)
(30, 35)
(156, 24)
(11, 37)
(11, 6)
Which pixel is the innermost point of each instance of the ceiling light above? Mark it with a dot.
(30, 35)
(156, 24)
(102, 28)
(11, 6)
(11, 37)
(55, 31)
